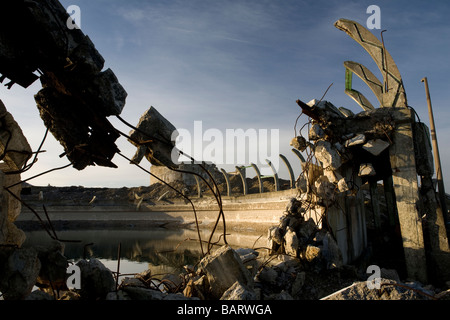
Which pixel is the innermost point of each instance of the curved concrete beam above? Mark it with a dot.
(227, 180)
(394, 93)
(275, 175)
(258, 174)
(291, 172)
(241, 171)
(199, 190)
(360, 99)
(299, 155)
(367, 76)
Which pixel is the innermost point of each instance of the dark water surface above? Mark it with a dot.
(161, 250)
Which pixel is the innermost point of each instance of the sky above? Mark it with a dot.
(241, 64)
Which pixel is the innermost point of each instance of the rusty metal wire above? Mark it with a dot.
(215, 191)
(177, 191)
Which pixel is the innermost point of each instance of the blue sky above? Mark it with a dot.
(242, 64)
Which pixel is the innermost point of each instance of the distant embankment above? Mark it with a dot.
(251, 212)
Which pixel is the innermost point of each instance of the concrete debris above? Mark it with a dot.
(38, 295)
(389, 290)
(357, 140)
(316, 132)
(327, 155)
(158, 141)
(299, 143)
(366, 169)
(346, 112)
(342, 185)
(238, 292)
(326, 107)
(291, 242)
(97, 280)
(311, 253)
(53, 272)
(223, 268)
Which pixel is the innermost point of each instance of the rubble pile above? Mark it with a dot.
(224, 274)
(300, 238)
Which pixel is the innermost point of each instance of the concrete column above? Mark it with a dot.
(406, 189)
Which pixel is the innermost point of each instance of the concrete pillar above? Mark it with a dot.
(404, 177)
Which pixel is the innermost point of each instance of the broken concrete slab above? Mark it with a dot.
(238, 291)
(223, 268)
(376, 146)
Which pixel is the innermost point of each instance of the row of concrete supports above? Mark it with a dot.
(241, 171)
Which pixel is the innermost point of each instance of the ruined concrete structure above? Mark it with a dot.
(379, 144)
(385, 143)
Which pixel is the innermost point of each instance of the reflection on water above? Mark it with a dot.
(161, 250)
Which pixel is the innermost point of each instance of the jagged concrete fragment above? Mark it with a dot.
(291, 242)
(331, 252)
(327, 155)
(357, 140)
(342, 185)
(223, 268)
(326, 106)
(311, 253)
(346, 112)
(299, 143)
(238, 292)
(155, 139)
(316, 132)
(77, 94)
(366, 169)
